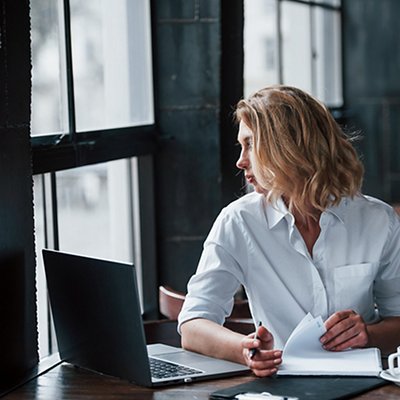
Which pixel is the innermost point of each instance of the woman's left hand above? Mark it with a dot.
(345, 329)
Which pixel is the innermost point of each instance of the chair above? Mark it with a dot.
(171, 302)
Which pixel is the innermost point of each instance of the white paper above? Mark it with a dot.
(303, 354)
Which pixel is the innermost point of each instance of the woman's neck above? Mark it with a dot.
(307, 224)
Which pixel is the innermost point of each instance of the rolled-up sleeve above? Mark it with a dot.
(387, 283)
(219, 273)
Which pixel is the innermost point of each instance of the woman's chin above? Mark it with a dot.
(259, 189)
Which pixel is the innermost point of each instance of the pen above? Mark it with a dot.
(254, 350)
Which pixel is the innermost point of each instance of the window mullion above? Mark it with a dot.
(144, 233)
(56, 246)
(54, 209)
(279, 42)
(69, 71)
(51, 240)
(314, 54)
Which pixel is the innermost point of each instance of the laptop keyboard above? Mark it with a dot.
(162, 369)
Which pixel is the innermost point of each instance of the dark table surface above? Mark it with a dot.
(68, 382)
(64, 381)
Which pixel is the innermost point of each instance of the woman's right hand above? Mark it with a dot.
(266, 359)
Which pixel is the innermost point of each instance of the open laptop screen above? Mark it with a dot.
(97, 315)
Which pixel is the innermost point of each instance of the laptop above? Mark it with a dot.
(99, 326)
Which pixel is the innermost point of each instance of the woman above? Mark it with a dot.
(305, 240)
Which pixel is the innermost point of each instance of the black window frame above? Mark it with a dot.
(55, 152)
(72, 149)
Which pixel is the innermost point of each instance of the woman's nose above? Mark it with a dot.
(242, 162)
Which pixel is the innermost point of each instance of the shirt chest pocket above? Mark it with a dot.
(354, 288)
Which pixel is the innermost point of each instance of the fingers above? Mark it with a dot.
(264, 335)
(357, 341)
(264, 363)
(337, 317)
(345, 329)
(264, 339)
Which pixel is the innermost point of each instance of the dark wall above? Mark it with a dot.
(18, 335)
(197, 83)
(371, 36)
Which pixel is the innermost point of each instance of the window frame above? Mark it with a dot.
(311, 4)
(52, 153)
(317, 73)
(55, 152)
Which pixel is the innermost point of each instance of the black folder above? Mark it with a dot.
(304, 387)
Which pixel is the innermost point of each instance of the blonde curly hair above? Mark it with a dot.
(300, 152)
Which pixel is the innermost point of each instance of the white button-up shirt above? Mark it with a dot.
(355, 264)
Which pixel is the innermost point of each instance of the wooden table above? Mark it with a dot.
(67, 382)
(64, 381)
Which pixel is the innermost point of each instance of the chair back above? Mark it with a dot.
(170, 302)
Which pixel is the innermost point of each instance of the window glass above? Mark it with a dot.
(111, 55)
(48, 72)
(112, 68)
(94, 206)
(94, 210)
(328, 56)
(296, 45)
(260, 45)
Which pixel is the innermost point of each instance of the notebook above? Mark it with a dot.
(303, 354)
(304, 388)
(98, 323)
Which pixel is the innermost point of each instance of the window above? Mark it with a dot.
(294, 42)
(93, 135)
(112, 84)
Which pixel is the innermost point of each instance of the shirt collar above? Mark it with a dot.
(276, 211)
(339, 210)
